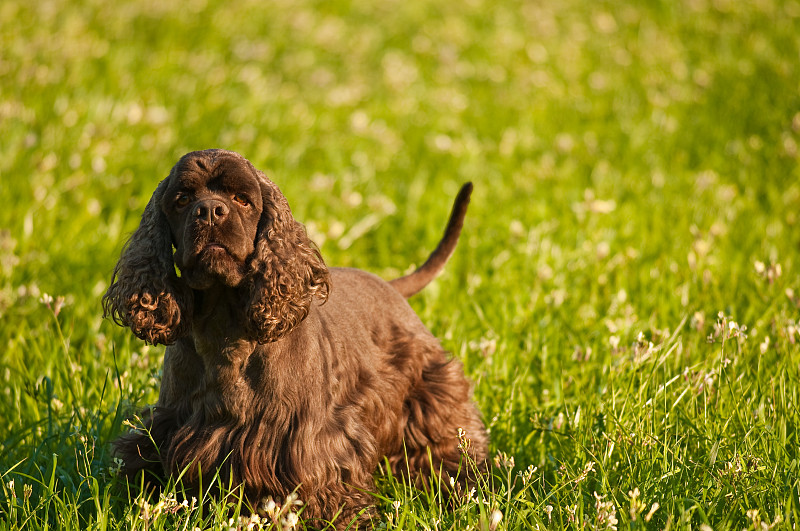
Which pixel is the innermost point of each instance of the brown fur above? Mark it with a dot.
(279, 372)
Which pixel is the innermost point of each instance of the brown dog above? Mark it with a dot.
(281, 372)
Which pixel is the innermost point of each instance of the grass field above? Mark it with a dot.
(625, 294)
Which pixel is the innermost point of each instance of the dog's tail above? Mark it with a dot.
(414, 282)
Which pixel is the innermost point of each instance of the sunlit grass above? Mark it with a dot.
(625, 295)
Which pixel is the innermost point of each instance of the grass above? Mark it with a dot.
(625, 295)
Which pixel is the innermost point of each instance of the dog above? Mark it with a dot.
(279, 372)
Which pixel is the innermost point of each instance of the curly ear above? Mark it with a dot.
(287, 271)
(146, 293)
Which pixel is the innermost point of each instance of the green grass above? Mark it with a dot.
(625, 294)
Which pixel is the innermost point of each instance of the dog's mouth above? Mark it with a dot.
(212, 263)
(212, 248)
(211, 253)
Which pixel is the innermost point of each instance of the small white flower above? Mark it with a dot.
(290, 521)
(764, 346)
(269, 506)
(495, 519)
(652, 511)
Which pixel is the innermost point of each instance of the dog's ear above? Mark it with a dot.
(288, 272)
(146, 293)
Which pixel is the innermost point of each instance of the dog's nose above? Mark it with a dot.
(210, 211)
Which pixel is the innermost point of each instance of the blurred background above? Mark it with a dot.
(635, 168)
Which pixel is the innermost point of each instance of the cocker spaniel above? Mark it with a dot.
(281, 373)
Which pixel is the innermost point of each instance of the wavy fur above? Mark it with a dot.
(280, 373)
(145, 293)
(288, 271)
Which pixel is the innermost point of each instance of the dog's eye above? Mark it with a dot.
(182, 200)
(241, 199)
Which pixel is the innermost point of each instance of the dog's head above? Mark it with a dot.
(223, 224)
(213, 204)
